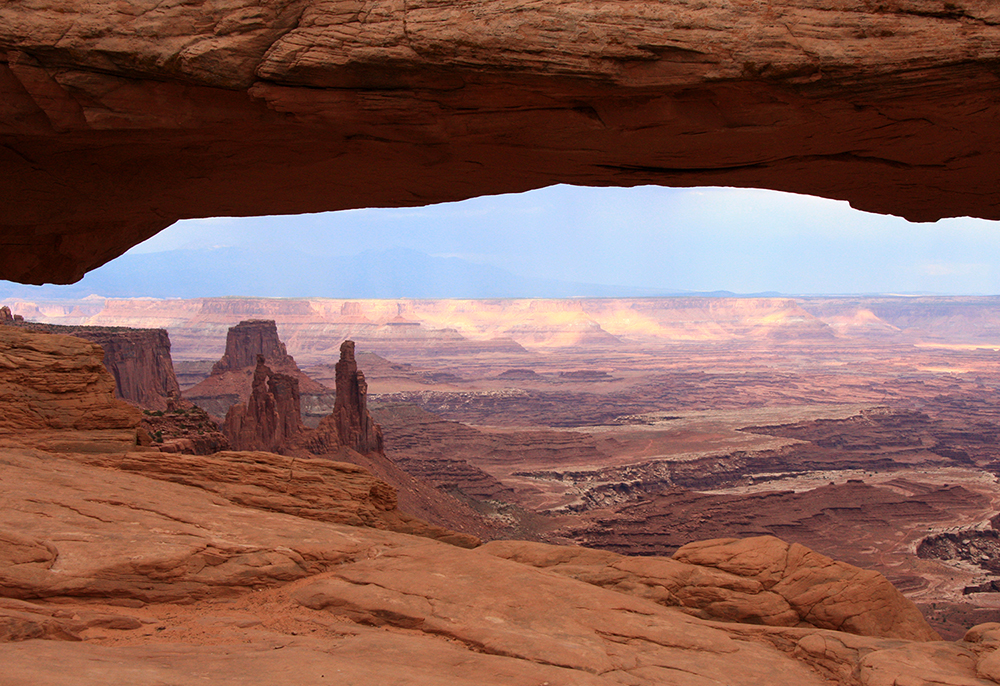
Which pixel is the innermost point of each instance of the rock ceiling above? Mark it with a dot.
(117, 119)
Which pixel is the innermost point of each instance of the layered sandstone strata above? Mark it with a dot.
(261, 598)
(139, 359)
(57, 382)
(118, 121)
(232, 378)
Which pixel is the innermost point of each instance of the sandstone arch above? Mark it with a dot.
(115, 121)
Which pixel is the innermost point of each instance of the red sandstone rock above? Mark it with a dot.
(271, 418)
(249, 340)
(232, 377)
(759, 580)
(52, 382)
(355, 425)
(115, 124)
(139, 359)
(823, 592)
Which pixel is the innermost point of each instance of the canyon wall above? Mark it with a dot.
(404, 329)
(232, 378)
(57, 382)
(117, 123)
(139, 360)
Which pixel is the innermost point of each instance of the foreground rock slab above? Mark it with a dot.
(759, 580)
(94, 561)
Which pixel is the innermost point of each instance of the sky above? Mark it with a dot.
(644, 240)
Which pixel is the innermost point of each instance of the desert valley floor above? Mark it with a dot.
(865, 429)
(683, 491)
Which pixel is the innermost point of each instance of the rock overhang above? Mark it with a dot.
(117, 122)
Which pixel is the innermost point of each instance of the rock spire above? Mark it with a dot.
(250, 339)
(355, 426)
(270, 420)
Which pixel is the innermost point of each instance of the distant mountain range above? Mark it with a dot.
(392, 273)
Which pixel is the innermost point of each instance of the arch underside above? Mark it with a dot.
(115, 125)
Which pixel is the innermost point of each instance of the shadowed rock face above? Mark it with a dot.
(270, 420)
(250, 340)
(117, 122)
(139, 359)
(355, 425)
(232, 377)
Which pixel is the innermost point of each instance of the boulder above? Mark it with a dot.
(823, 592)
(760, 580)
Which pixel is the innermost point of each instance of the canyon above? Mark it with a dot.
(790, 432)
(122, 562)
(863, 428)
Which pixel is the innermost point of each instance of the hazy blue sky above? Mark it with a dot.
(702, 239)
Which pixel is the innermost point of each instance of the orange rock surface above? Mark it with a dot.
(245, 568)
(53, 381)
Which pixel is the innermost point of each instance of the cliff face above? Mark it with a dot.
(355, 425)
(889, 105)
(139, 360)
(57, 382)
(232, 377)
(270, 420)
(315, 328)
(249, 340)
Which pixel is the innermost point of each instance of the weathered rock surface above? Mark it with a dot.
(53, 382)
(821, 591)
(232, 378)
(317, 489)
(249, 340)
(760, 580)
(263, 594)
(184, 429)
(117, 123)
(139, 359)
(271, 419)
